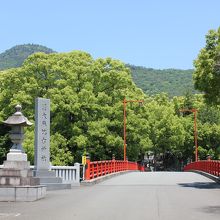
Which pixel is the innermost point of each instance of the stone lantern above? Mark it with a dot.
(16, 178)
(17, 122)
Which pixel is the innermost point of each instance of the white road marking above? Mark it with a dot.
(9, 214)
(17, 214)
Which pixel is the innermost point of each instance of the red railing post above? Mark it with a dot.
(218, 168)
(87, 174)
(101, 168)
(113, 163)
(106, 168)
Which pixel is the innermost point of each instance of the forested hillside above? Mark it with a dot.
(15, 56)
(174, 82)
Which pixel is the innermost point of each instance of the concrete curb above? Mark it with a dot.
(103, 178)
(208, 175)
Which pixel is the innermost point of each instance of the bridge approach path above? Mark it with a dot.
(132, 196)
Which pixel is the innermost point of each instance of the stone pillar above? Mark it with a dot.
(42, 135)
(77, 165)
(42, 147)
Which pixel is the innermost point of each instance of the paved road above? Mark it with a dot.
(132, 196)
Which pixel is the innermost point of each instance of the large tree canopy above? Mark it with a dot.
(207, 68)
(86, 102)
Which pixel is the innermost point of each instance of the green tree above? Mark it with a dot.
(207, 68)
(86, 102)
(166, 130)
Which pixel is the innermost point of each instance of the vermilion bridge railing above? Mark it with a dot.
(208, 166)
(101, 168)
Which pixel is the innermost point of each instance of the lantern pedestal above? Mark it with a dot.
(17, 182)
(16, 179)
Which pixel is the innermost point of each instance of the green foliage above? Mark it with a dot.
(87, 111)
(86, 97)
(209, 114)
(15, 56)
(207, 68)
(208, 125)
(4, 142)
(174, 82)
(28, 144)
(60, 154)
(202, 153)
(166, 129)
(211, 153)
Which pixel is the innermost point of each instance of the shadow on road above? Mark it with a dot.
(201, 185)
(211, 209)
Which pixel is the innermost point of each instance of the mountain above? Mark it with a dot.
(175, 82)
(15, 56)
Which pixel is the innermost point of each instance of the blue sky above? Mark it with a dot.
(152, 33)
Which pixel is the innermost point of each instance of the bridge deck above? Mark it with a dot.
(153, 196)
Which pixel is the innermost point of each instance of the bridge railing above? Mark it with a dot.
(101, 168)
(208, 166)
(69, 174)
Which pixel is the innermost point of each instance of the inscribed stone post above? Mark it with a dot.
(42, 134)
